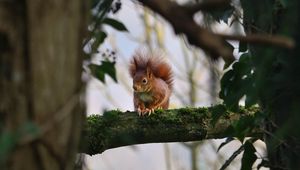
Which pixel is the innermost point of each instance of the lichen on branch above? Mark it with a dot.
(116, 128)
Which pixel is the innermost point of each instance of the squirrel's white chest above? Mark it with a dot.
(145, 97)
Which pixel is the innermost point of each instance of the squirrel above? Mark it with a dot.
(152, 82)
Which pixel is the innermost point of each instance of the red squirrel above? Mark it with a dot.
(152, 82)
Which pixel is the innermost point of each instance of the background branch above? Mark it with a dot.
(182, 21)
(116, 129)
(206, 6)
(266, 39)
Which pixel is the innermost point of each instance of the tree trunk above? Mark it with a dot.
(278, 77)
(40, 69)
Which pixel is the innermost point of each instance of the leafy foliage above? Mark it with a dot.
(115, 24)
(274, 76)
(243, 126)
(222, 14)
(239, 82)
(243, 47)
(97, 35)
(249, 156)
(106, 67)
(99, 39)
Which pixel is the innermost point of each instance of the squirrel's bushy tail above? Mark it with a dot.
(157, 64)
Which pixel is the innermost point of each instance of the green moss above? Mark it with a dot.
(115, 128)
(111, 114)
(185, 110)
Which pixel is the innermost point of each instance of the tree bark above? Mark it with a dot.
(116, 129)
(278, 77)
(40, 62)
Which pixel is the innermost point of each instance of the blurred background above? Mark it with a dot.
(196, 85)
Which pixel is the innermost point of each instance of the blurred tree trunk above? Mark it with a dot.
(278, 77)
(40, 69)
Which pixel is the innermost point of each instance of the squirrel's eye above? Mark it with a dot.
(144, 81)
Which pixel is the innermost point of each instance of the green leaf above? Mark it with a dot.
(225, 83)
(228, 90)
(228, 140)
(115, 24)
(239, 82)
(249, 156)
(106, 67)
(97, 72)
(104, 5)
(245, 58)
(99, 39)
(222, 14)
(251, 99)
(243, 47)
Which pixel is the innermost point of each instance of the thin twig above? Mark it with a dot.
(280, 41)
(232, 157)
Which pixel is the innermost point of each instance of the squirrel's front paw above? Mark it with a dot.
(140, 111)
(149, 111)
(145, 111)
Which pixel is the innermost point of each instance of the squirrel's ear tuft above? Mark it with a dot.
(149, 72)
(133, 67)
(134, 61)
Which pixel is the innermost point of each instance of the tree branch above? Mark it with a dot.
(181, 19)
(278, 40)
(183, 22)
(206, 6)
(116, 129)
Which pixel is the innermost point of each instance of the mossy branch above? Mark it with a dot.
(115, 128)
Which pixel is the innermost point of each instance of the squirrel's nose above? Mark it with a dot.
(134, 87)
